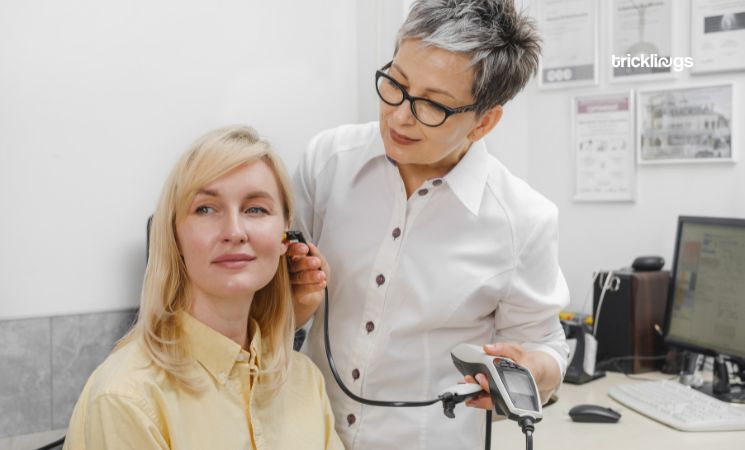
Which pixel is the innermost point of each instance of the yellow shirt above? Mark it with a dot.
(129, 403)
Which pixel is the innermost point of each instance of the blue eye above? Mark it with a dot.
(203, 210)
(256, 211)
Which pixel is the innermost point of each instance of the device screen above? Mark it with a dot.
(520, 390)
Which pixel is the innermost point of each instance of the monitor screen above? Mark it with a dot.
(706, 312)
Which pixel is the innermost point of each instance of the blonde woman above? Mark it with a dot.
(209, 364)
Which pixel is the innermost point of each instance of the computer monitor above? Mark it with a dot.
(706, 306)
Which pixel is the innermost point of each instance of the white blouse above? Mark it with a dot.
(469, 257)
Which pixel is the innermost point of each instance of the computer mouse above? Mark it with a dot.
(594, 414)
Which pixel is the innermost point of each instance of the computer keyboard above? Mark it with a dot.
(679, 406)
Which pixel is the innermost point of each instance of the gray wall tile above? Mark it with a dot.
(25, 376)
(79, 344)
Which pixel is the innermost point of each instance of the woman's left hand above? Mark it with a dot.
(538, 363)
(308, 276)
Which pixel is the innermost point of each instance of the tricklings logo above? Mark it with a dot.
(676, 63)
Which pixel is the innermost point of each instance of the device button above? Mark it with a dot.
(423, 192)
(437, 182)
(351, 419)
(370, 326)
(380, 279)
(355, 374)
(396, 232)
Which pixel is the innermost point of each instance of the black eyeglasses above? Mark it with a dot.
(429, 113)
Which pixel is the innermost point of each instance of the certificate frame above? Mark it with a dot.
(603, 143)
(569, 70)
(717, 36)
(687, 124)
(616, 43)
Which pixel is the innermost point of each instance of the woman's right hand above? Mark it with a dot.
(308, 275)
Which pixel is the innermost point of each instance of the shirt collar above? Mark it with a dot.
(216, 352)
(467, 179)
(375, 150)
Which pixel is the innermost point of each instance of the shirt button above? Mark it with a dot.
(355, 374)
(351, 419)
(380, 279)
(437, 182)
(240, 357)
(396, 232)
(222, 378)
(369, 326)
(423, 191)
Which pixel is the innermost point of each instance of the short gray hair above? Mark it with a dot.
(503, 43)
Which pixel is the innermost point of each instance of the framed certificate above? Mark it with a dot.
(569, 54)
(717, 35)
(603, 143)
(642, 45)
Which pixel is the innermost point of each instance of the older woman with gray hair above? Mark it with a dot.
(431, 241)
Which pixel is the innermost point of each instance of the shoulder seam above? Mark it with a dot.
(137, 401)
(357, 145)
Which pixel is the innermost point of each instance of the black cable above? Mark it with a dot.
(487, 435)
(613, 363)
(625, 358)
(365, 401)
(638, 378)
(341, 384)
(526, 424)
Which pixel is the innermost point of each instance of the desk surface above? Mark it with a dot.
(634, 431)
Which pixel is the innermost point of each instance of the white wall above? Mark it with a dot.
(595, 236)
(98, 99)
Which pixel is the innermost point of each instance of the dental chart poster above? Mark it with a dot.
(641, 39)
(569, 54)
(604, 147)
(718, 35)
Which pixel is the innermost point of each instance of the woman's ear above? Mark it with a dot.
(486, 123)
(285, 242)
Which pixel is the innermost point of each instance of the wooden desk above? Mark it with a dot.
(633, 432)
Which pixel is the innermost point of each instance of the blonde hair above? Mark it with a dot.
(164, 290)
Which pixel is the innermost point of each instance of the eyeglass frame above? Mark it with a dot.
(448, 111)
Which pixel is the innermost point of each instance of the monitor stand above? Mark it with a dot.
(721, 388)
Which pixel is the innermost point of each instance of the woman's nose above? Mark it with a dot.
(402, 113)
(234, 229)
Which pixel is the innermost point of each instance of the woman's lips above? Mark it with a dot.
(233, 260)
(401, 139)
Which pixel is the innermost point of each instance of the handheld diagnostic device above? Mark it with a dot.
(512, 387)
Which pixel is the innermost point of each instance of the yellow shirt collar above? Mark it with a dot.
(216, 352)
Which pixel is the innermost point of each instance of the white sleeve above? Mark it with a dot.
(304, 185)
(529, 314)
